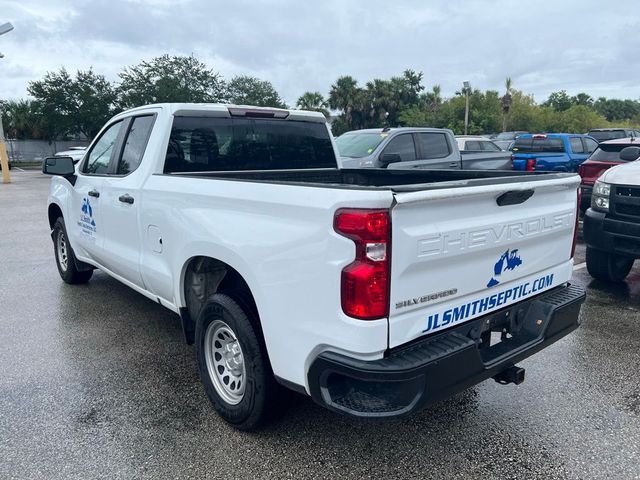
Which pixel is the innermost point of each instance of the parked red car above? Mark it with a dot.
(607, 155)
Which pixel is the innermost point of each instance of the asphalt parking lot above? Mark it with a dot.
(96, 382)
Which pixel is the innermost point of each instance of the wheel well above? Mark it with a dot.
(205, 276)
(54, 212)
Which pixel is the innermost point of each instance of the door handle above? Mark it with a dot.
(126, 198)
(454, 165)
(93, 193)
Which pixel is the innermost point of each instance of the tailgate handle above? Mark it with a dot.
(514, 197)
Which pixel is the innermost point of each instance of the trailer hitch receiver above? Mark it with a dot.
(513, 374)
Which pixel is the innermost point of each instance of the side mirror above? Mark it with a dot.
(62, 166)
(387, 158)
(629, 154)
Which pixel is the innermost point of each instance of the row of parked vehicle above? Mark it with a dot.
(612, 226)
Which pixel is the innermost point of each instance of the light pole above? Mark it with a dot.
(467, 87)
(4, 158)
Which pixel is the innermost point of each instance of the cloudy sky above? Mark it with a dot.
(577, 45)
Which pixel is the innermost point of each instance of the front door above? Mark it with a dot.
(85, 226)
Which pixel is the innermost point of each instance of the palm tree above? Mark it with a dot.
(313, 101)
(21, 119)
(436, 97)
(343, 96)
(506, 104)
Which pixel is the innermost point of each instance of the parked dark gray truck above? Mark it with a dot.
(407, 148)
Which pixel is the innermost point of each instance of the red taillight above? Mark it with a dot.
(531, 164)
(365, 281)
(575, 228)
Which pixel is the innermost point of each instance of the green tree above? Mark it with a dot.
(69, 105)
(524, 114)
(346, 96)
(583, 99)
(615, 110)
(313, 101)
(169, 79)
(246, 90)
(559, 101)
(484, 112)
(20, 119)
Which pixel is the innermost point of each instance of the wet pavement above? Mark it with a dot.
(96, 382)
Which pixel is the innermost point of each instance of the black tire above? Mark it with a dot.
(67, 267)
(606, 266)
(261, 391)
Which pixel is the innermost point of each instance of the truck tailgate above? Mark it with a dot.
(463, 252)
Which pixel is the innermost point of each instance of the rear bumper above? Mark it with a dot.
(611, 235)
(430, 369)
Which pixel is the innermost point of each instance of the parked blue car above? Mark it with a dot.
(552, 152)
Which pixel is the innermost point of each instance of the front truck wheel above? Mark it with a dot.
(606, 266)
(233, 364)
(65, 258)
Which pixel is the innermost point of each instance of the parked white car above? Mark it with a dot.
(74, 152)
(375, 291)
(473, 143)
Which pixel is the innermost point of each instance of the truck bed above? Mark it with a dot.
(375, 179)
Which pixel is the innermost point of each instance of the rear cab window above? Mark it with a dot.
(538, 144)
(609, 153)
(489, 147)
(602, 135)
(199, 144)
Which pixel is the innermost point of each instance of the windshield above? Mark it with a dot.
(358, 145)
(538, 144)
(602, 135)
(608, 153)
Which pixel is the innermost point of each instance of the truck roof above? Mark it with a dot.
(625, 140)
(609, 129)
(225, 109)
(396, 129)
(551, 135)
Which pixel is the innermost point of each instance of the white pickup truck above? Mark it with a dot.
(374, 291)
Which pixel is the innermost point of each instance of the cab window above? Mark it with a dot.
(135, 144)
(590, 145)
(402, 145)
(433, 145)
(98, 158)
(576, 145)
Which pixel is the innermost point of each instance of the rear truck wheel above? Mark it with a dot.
(233, 364)
(65, 258)
(606, 266)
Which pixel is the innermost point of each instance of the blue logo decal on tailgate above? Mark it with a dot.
(509, 260)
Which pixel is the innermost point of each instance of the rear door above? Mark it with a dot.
(121, 198)
(435, 150)
(457, 254)
(424, 150)
(578, 152)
